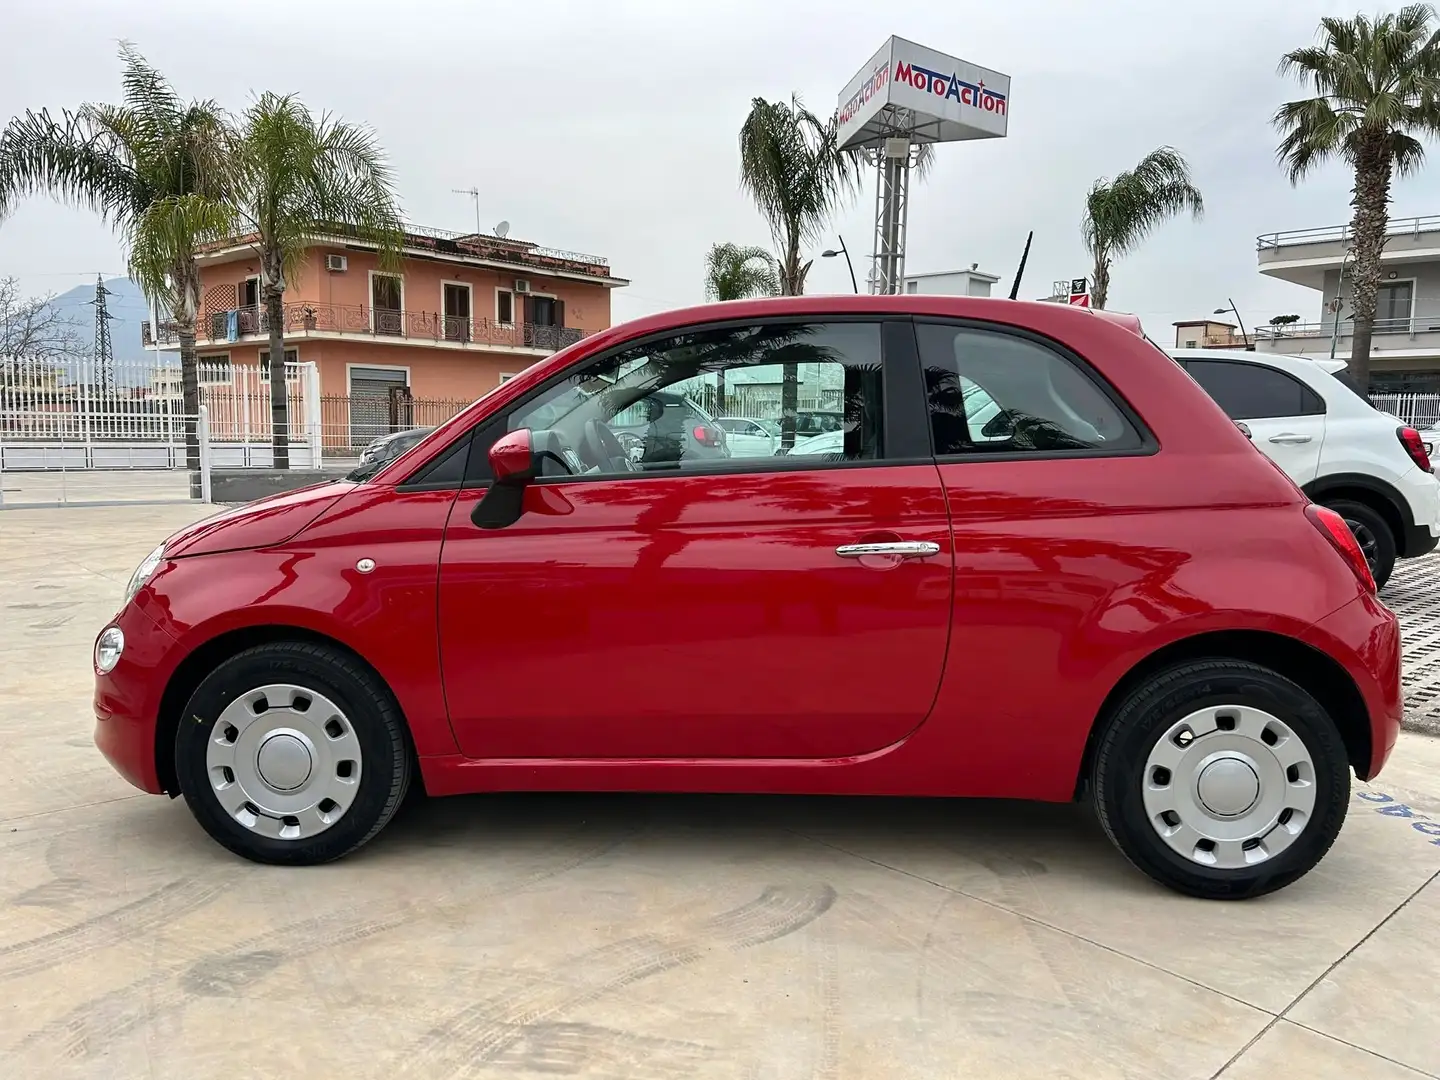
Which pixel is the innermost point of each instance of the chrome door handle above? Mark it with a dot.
(1289, 438)
(906, 549)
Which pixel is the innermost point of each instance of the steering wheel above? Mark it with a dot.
(600, 447)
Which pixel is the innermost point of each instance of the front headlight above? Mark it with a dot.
(108, 647)
(143, 573)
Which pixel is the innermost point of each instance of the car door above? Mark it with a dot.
(706, 609)
(1285, 418)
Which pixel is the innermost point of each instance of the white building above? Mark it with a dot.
(1405, 348)
(972, 282)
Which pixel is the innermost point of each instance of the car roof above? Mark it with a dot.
(1282, 361)
(1017, 312)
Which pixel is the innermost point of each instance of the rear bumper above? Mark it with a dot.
(127, 700)
(1364, 636)
(1421, 491)
(1418, 540)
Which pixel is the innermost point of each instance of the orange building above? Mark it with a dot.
(460, 314)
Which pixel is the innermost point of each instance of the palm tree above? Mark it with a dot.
(733, 272)
(1377, 94)
(1121, 213)
(152, 167)
(792, 165)
(295, 178)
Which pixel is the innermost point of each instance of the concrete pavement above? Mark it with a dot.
(649, 938)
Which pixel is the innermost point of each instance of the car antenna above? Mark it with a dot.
(1020, 271)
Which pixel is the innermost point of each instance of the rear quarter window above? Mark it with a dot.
(997, 392)
(1253, 391)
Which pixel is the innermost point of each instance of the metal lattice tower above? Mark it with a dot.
(892, 211)
(104, 351)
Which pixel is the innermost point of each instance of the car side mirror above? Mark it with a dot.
(512, 458)
(513, 465)
(1244, 430)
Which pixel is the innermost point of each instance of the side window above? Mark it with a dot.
(1253, 391)
(654, 407)
(447, 471)
(993, 392)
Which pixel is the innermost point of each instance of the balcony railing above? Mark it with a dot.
(1416, 325)
(1332, 234)
(302, 317)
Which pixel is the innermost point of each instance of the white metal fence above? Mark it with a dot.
(79, 415)
(1417, 410)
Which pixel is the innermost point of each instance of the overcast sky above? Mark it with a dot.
(610, 126)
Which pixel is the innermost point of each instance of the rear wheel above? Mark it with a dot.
(1221, 779)
(1374, 535)
(292, 753)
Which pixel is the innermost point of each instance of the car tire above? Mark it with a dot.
(292, 753)
(1374, 535)
(1250, 731)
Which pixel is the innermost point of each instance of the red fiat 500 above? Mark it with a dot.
(1035, 561)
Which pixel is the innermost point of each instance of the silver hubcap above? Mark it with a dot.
(1229, 786)
(284, 761)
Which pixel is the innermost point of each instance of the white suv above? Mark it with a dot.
(1339, 449)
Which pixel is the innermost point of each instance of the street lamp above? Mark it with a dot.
(1225, 311)
(1339, 303)
(831, 253)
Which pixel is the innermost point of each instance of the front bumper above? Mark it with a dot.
(127, 700)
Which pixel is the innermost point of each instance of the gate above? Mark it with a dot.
(74, 431)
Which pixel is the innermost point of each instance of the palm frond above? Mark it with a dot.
(164, 236)
(71, 159)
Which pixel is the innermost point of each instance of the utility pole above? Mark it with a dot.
(104, 351)
(474, 193)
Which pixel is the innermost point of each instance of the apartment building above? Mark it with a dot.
(1405, 348)
(457, 316)
(1208, 334)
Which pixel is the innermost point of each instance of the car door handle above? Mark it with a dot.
(1290, 438)
(906, 549)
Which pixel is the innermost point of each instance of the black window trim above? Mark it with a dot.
(905, 438)
(1149, 444)
(1305, 388)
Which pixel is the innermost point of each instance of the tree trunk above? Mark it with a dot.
(1371, 201)
(190, 399)
(1100, 283)
(274, 287)
(792, 283)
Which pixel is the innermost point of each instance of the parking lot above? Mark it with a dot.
(648, 938)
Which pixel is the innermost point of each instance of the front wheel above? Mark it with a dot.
(292, 753)
(1221, 779)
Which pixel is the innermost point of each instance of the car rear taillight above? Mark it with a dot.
(706, 435)
(1342, 540)
(1414, 446)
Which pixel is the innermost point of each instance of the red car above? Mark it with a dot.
(1040, 563)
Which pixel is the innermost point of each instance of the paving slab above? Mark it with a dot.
(656, 937)
(1285, 1046)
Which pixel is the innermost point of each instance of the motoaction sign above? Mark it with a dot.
(927, 95)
